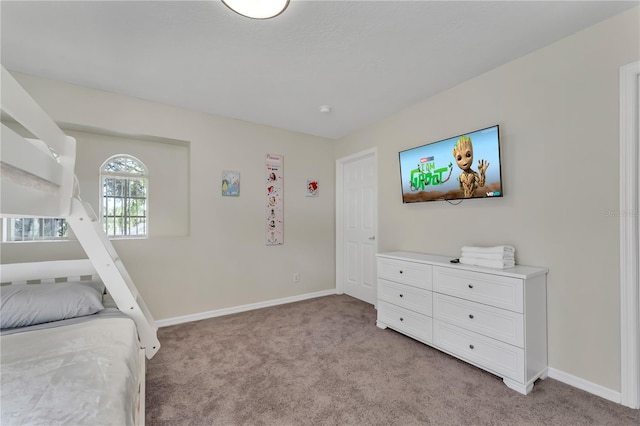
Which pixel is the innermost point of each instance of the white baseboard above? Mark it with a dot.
(242, 308)
(585, 385)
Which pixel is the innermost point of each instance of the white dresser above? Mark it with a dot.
(495, 319)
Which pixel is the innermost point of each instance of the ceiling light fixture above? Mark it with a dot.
(325, 109)
(257, 9)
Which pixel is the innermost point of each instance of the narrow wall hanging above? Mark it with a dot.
(274, 200)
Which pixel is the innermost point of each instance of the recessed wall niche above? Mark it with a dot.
(167, 161)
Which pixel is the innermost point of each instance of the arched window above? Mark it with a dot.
(125, 188)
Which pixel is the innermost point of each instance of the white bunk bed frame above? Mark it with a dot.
(38, 180)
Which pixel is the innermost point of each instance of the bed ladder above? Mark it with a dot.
(89, 232)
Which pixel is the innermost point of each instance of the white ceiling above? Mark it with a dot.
(366, 59)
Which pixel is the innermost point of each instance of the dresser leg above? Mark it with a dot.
(381, 325)
(518, 387)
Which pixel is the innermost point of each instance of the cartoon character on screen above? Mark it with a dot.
(469, 179)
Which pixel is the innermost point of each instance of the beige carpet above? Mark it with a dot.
(324, 362)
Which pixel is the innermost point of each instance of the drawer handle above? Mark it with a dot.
(401, 295)
(471, 346)
(471, 316)
(401, 271)
(401, 319)
(470, 285)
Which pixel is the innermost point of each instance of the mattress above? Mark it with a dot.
(79, 374)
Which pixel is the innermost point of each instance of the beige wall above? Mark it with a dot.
(558, 111)
(223, 261)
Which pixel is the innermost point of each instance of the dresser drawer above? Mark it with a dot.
(415, 299)
(500, 324)
(493, 290)
(495, 356)
(410, 273)
(405, 321)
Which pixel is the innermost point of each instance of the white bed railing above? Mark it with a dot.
(37, 177)
(46, 272)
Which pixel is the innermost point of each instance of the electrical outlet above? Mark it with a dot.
(296, 277)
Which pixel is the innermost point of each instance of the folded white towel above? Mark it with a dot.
(486, 250)
(497, 264)
(489, 256)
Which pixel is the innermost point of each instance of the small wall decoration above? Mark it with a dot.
(274, 200)
(230, 183)
(312, 188)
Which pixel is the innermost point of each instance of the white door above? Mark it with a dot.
(357, 226)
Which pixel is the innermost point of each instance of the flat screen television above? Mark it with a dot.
(461, 167)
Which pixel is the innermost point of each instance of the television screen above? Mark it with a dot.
(464, 166)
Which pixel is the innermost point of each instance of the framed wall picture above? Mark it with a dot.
(230, 183)
(312, 188)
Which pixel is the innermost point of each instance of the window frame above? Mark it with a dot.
(127, 177)
(8, 230)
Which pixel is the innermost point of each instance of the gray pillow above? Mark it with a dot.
(98, 285)
(23, 305)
